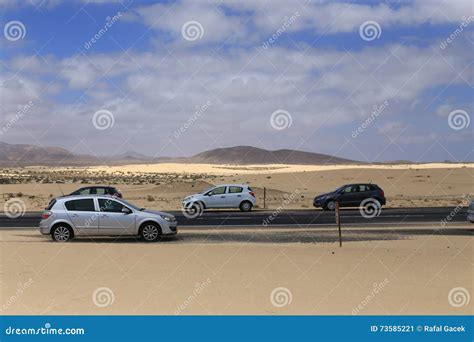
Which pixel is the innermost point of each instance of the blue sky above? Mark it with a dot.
(273, 74)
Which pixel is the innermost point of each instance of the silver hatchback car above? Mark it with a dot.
(93, 215)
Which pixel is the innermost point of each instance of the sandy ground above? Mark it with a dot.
(162, 186)
(236, 272)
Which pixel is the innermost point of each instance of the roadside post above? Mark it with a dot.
(338, 222)
(264, 198)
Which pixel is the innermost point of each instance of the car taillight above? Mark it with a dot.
(252, 193)
(382, 194)
(45, 215)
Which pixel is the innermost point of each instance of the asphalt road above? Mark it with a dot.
(296, 218)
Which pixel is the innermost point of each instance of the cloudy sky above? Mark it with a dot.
(373, 81)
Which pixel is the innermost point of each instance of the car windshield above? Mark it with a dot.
(208, 189)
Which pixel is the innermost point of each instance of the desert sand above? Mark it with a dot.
(162, 186)
(236, 271)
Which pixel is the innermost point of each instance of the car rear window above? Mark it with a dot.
(80, 205)
(250, 189)
(51, 204)
(235, 189)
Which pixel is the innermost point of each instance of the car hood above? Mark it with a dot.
(154, 212)
(325, 194)
(187, 198)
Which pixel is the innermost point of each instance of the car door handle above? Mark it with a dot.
(104, 215)
(222, 196)
(239, 195)
(75, 215)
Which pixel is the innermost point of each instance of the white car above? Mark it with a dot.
(221, 196)
(470, 212)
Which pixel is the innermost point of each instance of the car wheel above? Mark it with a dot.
(150, 232)
(62, 233)
(331, 205)
(245, 206)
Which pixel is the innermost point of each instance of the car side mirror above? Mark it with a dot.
(126, 211)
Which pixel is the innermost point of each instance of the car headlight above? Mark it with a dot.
(168, 218)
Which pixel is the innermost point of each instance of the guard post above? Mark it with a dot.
(338, 222)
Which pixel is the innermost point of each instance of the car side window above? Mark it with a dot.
(80, 205)
(100, 191)
(84, 191)
(110, 206)
(348, 189)
(363, 188)
(235, 189)
(218, 191)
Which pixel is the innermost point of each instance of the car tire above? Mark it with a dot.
(62, 233)
(330, 205)
(150, 232)
(245, 206)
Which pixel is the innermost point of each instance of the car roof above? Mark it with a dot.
(71, 197)
(242, 185)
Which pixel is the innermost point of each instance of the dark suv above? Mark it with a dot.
(350, 195)
(97, 190)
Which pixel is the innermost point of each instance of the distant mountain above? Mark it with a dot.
(22, 155)
(253, 155)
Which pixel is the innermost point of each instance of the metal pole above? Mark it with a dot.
(264, 198)
(338, 221)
